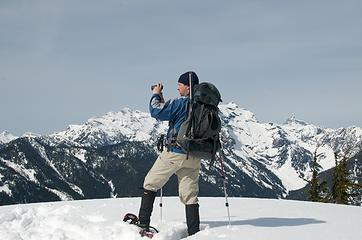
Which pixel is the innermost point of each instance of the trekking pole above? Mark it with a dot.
(224, 185)
(160, 145)
(161, 205)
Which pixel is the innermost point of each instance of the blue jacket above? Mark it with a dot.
(175, 111)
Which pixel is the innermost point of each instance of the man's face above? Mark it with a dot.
(183, 89)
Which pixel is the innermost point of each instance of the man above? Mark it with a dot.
(173, 160)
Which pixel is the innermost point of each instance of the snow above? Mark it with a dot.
(289, 176)
(76, 188)
(5, 188)
(30, 135)
(62, 195)
(29, 174)
(80, 154)
(133, 124)
(113, 194)
(255, 140)
(6, 137)
(250, 219)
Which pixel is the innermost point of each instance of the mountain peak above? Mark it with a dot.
(30, 134)
(294, 121)
(232, 110)
(6, 137)
(134, 125)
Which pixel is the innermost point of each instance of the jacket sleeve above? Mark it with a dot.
(161, 110)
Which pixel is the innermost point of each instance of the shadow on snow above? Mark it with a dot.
(266, 222)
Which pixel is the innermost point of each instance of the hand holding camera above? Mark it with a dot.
(157, 88)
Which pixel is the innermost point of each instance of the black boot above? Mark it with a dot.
(192, 218)
(144, 215)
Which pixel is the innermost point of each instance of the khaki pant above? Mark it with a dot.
(187, 171)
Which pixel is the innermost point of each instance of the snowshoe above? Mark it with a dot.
(145, 231)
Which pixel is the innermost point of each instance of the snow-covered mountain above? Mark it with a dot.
(256, 219)
(285, 149)
(112, 128)
(6, 137)
(98, 158)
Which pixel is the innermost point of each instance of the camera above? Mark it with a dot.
(153, 86)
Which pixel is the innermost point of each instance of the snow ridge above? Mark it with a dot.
(6, 137)
(112, 128)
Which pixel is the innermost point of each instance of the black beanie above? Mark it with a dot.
(184, 79)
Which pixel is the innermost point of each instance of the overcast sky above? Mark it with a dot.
(63, 62)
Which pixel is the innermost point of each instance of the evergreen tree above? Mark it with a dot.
(344, 190)
(318, 191)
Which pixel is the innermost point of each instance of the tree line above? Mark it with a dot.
(344, 189)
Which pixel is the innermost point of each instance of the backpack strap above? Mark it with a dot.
(213, 155)
(172, 136)
(200, 117)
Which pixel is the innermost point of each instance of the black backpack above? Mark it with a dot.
(199, 133)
